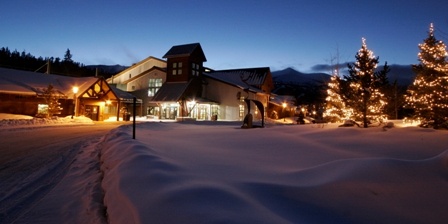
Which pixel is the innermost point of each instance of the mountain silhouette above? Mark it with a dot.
(403, 74)
(292, 76)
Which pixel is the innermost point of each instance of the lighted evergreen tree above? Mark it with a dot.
(335, 110)
(361, 88)
(428, 95)
(51, 98)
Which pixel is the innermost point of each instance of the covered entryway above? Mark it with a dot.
(97, 102)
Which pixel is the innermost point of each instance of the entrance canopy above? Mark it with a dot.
(171, 92)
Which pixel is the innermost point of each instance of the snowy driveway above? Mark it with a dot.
(34, 160)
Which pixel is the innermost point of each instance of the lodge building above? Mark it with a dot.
(23, 92)
(182, 88)
(177, 88)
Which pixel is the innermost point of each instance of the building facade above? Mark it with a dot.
(27, 93)
(142, 80)
(182, 88)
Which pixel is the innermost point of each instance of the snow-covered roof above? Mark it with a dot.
(247, 79)
(186, 50)
(138, 69)
(171, 92)
(123, 95)
(31, 83)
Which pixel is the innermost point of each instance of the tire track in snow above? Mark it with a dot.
(34, 187)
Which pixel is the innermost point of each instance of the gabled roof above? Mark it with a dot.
(171, 92)
(185, 50)
(245, 78)
(150, 58)
(33, 83)
(144, 73)
(123, 95)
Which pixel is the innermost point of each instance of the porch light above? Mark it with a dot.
(75, 89)
(108, 102)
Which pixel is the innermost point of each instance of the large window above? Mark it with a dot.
(154, 86)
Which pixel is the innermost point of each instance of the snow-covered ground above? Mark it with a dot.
(216, 172)
(9, 121)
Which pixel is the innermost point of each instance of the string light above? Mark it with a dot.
(362, 82)
(428, 94)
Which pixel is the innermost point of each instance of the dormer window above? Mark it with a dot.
(195, 69)
(177, 68)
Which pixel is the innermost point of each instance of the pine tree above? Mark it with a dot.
(335, 108)
(428, 95)
(52, 99)
(68, 56)
(361, 89)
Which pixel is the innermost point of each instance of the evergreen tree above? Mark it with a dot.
(361, 89)
(428, 95)
(68, 56)
(52, 99)
(335, 108)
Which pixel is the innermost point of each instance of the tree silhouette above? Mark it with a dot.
(68, 56)
(26, 61)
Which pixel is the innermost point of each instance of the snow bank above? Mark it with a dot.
(190, 173)
(14, 120)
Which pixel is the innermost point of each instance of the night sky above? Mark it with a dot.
(303, 34)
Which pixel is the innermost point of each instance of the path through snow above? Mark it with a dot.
(78, 197)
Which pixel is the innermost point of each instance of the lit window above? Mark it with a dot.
(179, 72)
(42, 109)
(154, 86)
(180, 64)
(174, 72)
(241, 112)
(175, 65)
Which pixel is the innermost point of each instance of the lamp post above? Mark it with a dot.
(75, 91)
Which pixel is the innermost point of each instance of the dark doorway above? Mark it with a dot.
(91, 112)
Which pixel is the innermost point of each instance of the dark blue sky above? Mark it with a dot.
(233, 34)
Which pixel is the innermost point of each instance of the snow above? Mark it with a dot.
(9, 121)
(216, 172)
